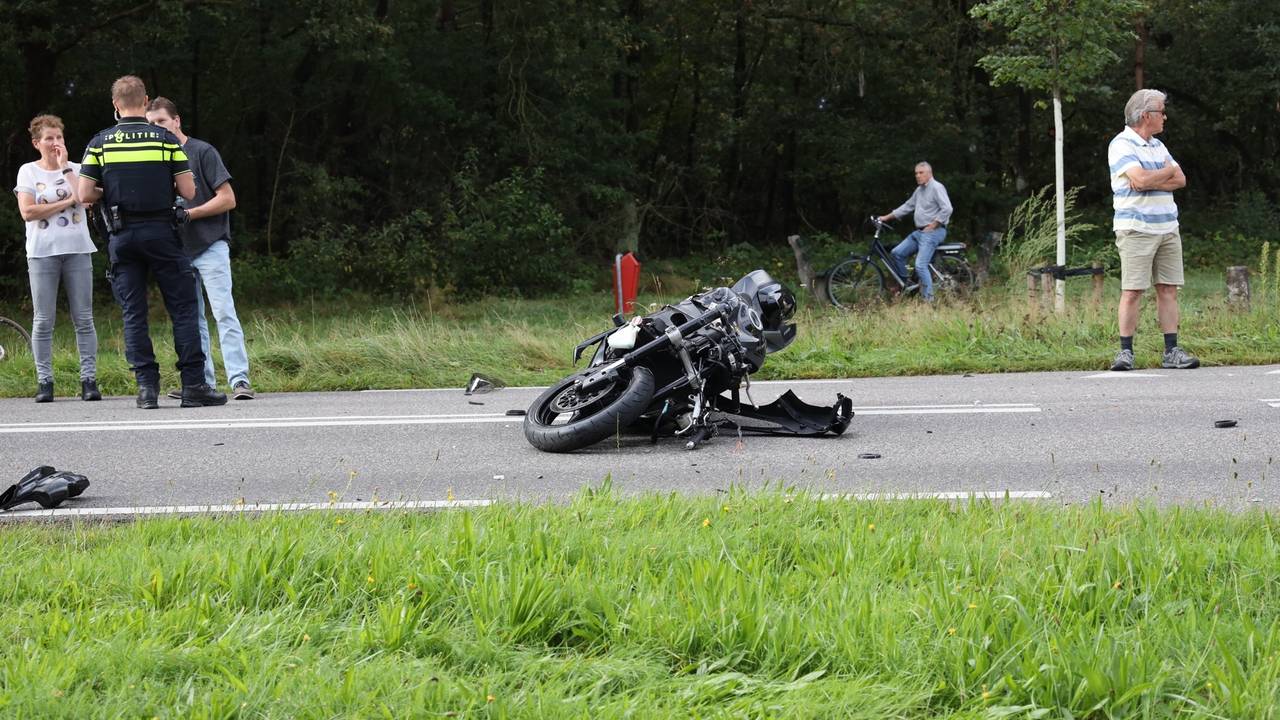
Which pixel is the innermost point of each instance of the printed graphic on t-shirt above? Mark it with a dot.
(64, 232)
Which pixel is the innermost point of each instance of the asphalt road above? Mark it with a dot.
(1067, 436)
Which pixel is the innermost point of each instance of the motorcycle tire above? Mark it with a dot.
(602, 414)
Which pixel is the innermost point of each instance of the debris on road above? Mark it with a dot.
(44, 485)
(480, 384)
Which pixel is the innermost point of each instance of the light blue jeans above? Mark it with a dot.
(213, 270)
(74, 271)
(923, 244)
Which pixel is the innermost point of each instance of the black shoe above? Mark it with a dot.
(44, 392)
(175, 393)
(89, 390)
(148, 397)
(201, 395)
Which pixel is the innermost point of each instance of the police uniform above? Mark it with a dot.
(135, 163)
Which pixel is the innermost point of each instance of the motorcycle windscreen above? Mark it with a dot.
(789, 415)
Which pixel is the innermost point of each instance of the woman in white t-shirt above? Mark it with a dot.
(58, 249)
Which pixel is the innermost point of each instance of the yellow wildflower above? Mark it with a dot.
(706, 522)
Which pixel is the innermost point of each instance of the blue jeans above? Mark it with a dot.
(152, 248)
(213, 270)
(923, 244)
(75, 273)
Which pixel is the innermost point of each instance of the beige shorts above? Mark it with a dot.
(1148, 258)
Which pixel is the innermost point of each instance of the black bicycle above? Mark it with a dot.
(11, 333)
(859, 280)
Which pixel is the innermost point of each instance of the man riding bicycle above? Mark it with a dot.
(931, 211)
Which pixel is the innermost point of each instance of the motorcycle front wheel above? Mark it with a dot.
(564, 419)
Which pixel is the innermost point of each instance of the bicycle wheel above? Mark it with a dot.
(855, 283)
(12, 337)
(952, 276)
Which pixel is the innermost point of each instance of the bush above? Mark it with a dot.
(506, 236)
(331, 260)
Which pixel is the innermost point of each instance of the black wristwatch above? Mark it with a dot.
(67, 170)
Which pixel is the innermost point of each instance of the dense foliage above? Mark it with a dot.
(397, 145)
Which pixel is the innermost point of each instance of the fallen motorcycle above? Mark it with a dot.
(668, 373)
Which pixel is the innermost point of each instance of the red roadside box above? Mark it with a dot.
(626, 281)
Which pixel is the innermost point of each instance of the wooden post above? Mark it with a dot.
(1238, 286)
(1098, 280)
(1032, 301)
(1047, 291)
(808, 278)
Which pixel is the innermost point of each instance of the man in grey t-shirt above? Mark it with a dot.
(930, 209)
(206, 238)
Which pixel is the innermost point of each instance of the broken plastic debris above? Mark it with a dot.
(1224, 423)
(868, 456)
(515, 413)
(479, 384)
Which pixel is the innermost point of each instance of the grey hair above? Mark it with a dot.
(925, 165)
(1139, 103)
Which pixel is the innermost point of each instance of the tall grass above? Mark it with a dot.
(1031, 238)
(763, 604)
(529, 342)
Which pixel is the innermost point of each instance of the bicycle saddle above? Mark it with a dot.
(951, 247)
(44, 485)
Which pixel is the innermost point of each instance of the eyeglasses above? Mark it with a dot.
(1160, 112)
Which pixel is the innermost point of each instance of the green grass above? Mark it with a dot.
(760, 604)
(340, 346)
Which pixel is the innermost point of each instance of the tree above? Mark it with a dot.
(1058, 46)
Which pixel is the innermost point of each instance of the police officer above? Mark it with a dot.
(131, 170)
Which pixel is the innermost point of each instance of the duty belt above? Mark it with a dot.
(132, 216)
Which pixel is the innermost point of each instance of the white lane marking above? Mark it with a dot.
(952, 495)
(91, 512)
(1273, 402)
(444, 419)
(243, 423)
(1112, 374)
(317, 418)
(947, 410)
(1273, 372)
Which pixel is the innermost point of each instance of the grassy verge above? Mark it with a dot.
(763, 604)
(340, 346)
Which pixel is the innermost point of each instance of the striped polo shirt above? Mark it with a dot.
(135, 163)
(1146, 211)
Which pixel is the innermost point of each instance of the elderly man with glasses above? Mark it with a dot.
(1143, 178)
